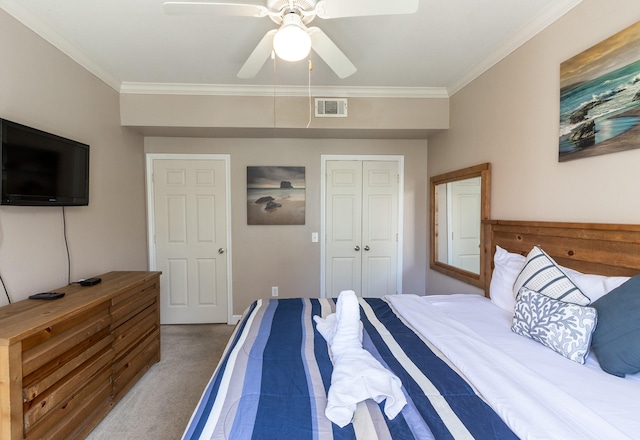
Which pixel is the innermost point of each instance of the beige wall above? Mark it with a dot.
(41, 87)
(261, 112)
(284, 256)
(45, 89)
(509, 117)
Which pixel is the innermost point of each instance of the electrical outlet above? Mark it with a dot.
(274, 291)
(314, 237)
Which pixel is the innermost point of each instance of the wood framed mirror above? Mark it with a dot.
(459, 201)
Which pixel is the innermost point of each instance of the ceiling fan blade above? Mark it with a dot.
(330, 53)
(260, 54)
(362, 8)
(222, 8)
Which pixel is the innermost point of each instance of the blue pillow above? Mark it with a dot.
(616, 340)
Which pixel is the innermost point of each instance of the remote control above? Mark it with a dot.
(47, 295)
(90, 281)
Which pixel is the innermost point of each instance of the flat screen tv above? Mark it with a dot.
(42, 169)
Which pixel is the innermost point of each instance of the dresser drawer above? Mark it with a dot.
(53, 407)
(64, 363)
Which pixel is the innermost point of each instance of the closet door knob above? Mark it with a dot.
(357, 248)
(221, 251)
(366, 248)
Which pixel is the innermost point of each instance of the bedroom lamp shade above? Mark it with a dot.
(292, 42)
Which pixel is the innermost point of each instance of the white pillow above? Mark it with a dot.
(507, 266)
(594, 286)
(543, 275)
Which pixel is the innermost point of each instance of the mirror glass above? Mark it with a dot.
(458, 223)
(459, 203)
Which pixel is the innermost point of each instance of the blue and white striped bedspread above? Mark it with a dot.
(273, 380)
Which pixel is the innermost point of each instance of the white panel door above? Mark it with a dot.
(380, 228)
(343, 227)
(465, 230)
(190, 239)
(361, 227)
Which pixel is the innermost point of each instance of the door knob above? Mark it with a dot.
(221, 251)
(357, 248)
(366, 248)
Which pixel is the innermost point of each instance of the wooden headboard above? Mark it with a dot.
(604, 249)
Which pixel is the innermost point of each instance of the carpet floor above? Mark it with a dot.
(159, 406)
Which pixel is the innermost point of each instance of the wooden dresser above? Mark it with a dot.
(64, 363)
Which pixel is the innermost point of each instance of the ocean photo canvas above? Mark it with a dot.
(600, 98)
(275, 195)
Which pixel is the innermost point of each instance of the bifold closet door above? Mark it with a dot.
(361, 227)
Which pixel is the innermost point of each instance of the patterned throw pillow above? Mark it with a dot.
(563, 327)
(542, 274)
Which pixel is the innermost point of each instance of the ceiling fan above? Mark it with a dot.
(293, 39)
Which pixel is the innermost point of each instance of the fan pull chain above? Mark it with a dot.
(310, 110)
(273, 57)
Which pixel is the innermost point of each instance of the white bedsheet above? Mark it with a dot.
(537, 392)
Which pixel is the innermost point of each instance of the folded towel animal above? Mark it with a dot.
(357, 375)
(326, 327)
(346, 335)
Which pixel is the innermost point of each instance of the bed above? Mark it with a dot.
(464, 371)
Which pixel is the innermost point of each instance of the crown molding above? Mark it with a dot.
(304, 91)
(539, 23)
(31, 21)
(27, 18)
(527, 32)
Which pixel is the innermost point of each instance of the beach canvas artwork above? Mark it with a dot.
(275, 195)
(600, 98)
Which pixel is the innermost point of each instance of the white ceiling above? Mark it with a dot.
(133, 45)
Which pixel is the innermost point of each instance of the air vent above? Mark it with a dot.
(331, 107)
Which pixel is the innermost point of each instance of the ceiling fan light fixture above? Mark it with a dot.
(292, 41)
